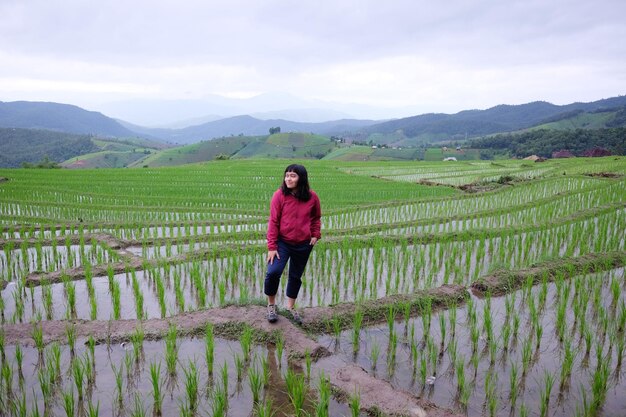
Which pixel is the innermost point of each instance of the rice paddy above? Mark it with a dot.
(149, 247)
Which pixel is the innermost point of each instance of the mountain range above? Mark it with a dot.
(406, 131)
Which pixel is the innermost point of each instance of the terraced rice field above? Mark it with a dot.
(129, 292)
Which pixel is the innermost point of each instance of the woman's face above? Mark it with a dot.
(291, 179)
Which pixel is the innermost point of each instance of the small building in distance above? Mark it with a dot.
(563, 153)
(597, 152)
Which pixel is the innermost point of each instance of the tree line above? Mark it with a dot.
(544, 142)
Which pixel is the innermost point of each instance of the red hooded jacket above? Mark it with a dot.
(293, 221)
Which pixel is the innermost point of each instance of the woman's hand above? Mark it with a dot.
(313, 241)
(271, 255)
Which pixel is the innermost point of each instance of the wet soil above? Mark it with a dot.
(380, 397)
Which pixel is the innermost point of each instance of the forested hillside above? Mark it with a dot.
(544, 142)
(31, 146)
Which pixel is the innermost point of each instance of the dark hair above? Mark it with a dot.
(303, 191)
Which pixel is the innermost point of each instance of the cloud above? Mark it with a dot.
(400, 53)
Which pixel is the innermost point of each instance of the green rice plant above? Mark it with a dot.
(526, 355)
(7, 377)
(19, 357)
(37, 335)
(452, 350)
(538, 334)
(137, 338)
(156, 380)
(307, 362)
(89, 369)
(567, 363)
(191, 385)
(452, 313)
(588, 336)
(493, 351)
(548, 382)
(513, 383)
(119, 388)
(264, 409)
(459, 366)
(209, 347)
(70, 293)
(356, 329)
(220, 403)
(245, 340)
(116, 299)
(78, 373)
(265, 369)
(255, 380)
(523, 411)
(171, 349)
(374, 353)
(324, 390)
(222, 292)
(224, 373)
(53, 359)
(239, 365)
(68, 403)
(92, 411)
(139, 408)
(442, 331)
(296, 389)
(355, 403)
(70, 333)
(280, 345)
(599, 387)
(474, 336)
(45, 384)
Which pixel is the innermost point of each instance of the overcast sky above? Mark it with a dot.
(437, 56)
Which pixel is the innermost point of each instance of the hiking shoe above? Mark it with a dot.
(296, 317)
(272, 315)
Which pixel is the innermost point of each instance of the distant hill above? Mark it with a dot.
(59, 117)
(472, 123)
(18, 146)
(250, 126)
(279, 145)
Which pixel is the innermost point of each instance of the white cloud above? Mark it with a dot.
(432, 56)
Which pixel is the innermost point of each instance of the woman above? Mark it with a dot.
(292, 231)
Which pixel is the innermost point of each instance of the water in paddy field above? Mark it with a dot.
(136, 378)
(486, 379)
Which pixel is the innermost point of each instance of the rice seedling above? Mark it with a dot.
(70, 334)
(324, 391)
(374, 353)
(37, 335)
(19, 357)
(156, 381)
(355, 403)
(548, 382)
(513, 384)
(239, 365)
(307, 362)
(245, 340)
(92, 411)
(171, 350)
(68, 403)
(255, 380)
(191, 385)
(265, 368)
(139, 408)
(7, 377)
(78, 373)
(209, 350)
(264, 409)
(567, 364)
(356, 330)
(296, 389)
(116, 299)
(119, 387)
(224, 373)
(279, 340)
(599, 387)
